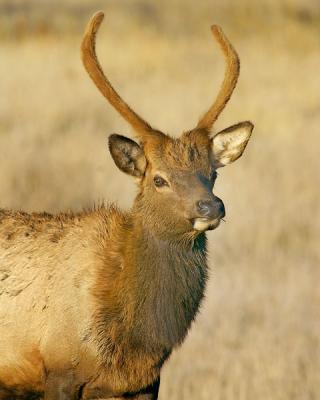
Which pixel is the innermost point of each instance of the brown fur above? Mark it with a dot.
(117, 282)
(92, 304)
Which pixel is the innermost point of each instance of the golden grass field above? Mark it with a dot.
(258, 334)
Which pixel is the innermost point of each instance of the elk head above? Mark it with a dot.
(176, 175)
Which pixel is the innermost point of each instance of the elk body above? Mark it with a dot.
(92, 304)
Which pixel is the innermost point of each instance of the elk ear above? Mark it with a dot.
(128, 155)
(229, 144)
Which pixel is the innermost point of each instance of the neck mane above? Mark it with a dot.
(171, 279)
(150, 285)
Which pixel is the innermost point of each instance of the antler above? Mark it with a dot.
(229, 82)
(91, 63)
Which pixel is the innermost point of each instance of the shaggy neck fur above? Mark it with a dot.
(170, 279)
(157, 286)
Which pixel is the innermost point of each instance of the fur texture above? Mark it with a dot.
(94, 296)
(92, 304)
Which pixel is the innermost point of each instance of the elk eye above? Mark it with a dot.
(159, 181)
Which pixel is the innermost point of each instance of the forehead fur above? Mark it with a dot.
(191, 151)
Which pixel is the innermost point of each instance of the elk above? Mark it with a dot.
(92, 304)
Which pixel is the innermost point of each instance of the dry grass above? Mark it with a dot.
(258, 335)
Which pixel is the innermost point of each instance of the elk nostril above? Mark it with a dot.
(205, 208)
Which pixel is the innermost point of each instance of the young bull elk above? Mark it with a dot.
(92, 304)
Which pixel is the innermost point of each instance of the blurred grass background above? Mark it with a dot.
(258, 334)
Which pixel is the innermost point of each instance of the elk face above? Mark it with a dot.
(176, 175)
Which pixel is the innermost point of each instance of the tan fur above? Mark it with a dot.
(92, 304)
(73, 300)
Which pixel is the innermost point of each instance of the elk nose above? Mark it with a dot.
(211, 209)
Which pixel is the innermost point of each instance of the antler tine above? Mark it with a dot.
(91, 64)
(229, 82)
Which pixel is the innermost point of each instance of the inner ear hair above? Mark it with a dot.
(229, 144)
(127, 155)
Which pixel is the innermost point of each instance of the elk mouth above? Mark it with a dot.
(205, 224)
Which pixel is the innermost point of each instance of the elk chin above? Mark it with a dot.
(205, 224)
